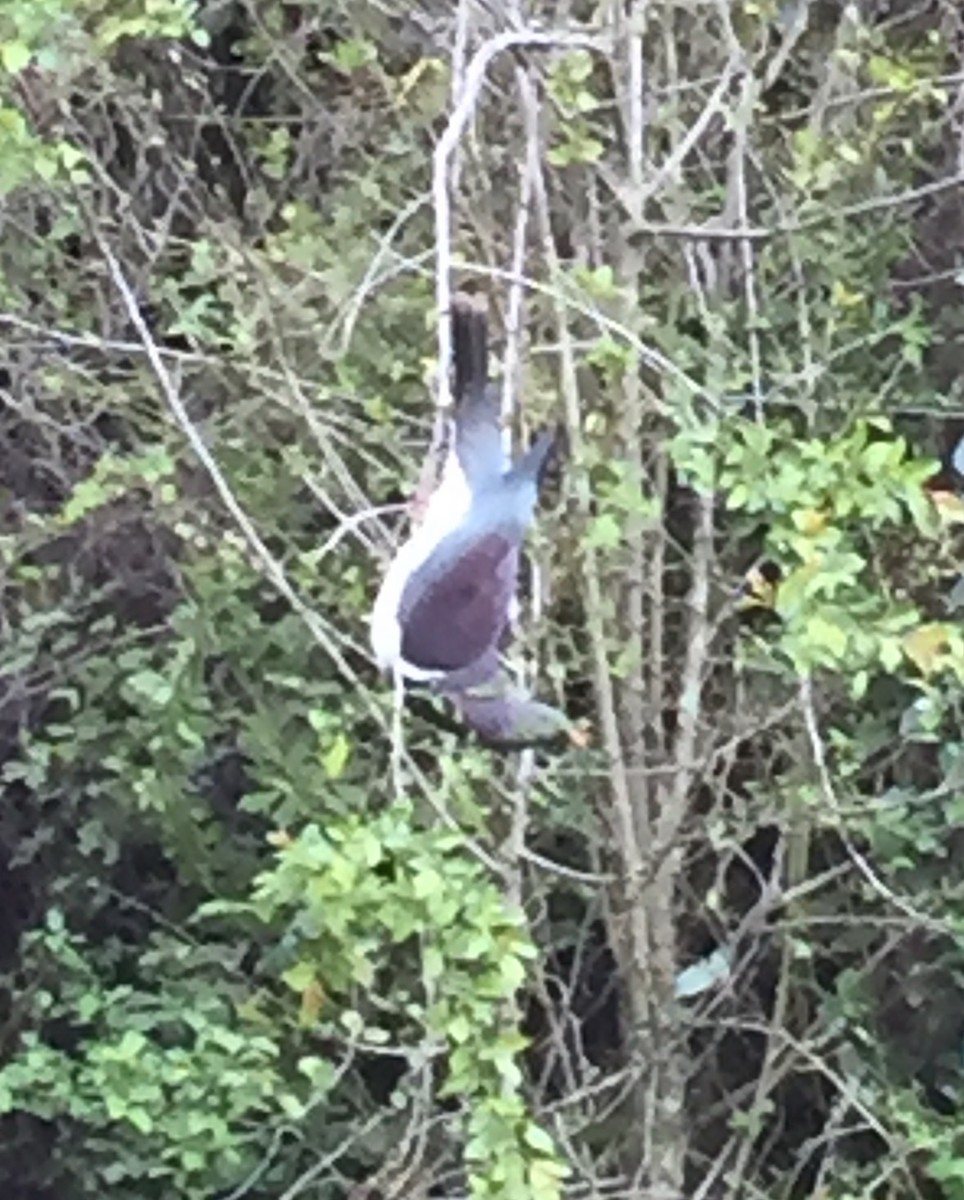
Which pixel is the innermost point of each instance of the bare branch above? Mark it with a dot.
(475, 74)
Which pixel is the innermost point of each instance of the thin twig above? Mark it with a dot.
(764, 233)
(349, 523)
(512, 361)
(398, 733)
(738, 163)
(511, 388)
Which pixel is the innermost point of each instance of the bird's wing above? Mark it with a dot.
(478, 433)
(455, 607)
(531, 466)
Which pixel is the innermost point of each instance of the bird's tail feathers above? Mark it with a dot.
(478, 437)
(470, 345)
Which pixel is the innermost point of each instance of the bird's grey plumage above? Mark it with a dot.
(502, 714)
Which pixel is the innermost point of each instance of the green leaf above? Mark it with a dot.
(141, 1119)
(291, 1106)
(353, 53)
(538, 1139)
(131, 1045)
(605, 532)
(152, 686)
(14, 56)
(336, 757)
(427, 882)
(318, 1071)
(301, 976)
(946, 1167)
(513, 972)
(545, 1179)
(459, 1029)
(825, 635)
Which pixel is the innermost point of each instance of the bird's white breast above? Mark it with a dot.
(446, 510)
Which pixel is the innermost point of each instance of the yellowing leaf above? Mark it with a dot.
(950, 507)
(760, 587)
(15, 56)
(926, 646)
(312, 999)
(842, 297)
(413, 77)
(300, 977)
(336, 757)
(809, 521)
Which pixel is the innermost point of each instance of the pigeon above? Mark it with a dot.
(446, 600)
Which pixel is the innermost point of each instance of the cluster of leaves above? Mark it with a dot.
(175, 1093)
(349, 900)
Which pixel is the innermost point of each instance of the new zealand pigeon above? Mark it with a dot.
(446, 600)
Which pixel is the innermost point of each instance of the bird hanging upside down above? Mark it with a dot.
(446, 600)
